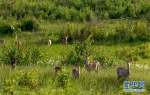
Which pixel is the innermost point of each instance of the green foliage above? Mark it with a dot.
(77, 54)
(122, 32)
(72, 10)
(105, 61)
(63, 79)
(5, 28)
(71, 90)
(41, 79)
(11, 52)
(148, 16)
(31, 56)
(29, 25)
(140, 52)
(27, 57)
(141, 31)
(99, 33)
(29, 79)
(118, 31)
(77, 33)
(9, 85)
(36, 56)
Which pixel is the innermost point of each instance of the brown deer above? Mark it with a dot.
(93, 66)
(13, 62)
(63, 62)
(57, 68)
(76, 71)
(124, 72)
(13, 59)
(64, 41)
(18, 43)
(49, 42)
(2, 41)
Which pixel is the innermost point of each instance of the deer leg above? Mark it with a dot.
(97, 69)
(118, 79)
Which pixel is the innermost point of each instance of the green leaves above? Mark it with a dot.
(63, 79)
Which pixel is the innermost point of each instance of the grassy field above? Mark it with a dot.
(41, 79)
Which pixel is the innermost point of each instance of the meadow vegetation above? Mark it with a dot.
(111, 31)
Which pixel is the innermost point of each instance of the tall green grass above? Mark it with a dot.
(41, 77)
(46, 81)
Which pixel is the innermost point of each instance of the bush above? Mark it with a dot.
(140, 52)
(8, 87)
(30, 56)
(29, 25)
(99, 33)
(29, 79)
(77, 54)
(122, 32)
(139, 31)
(5, 28)
(27, 57)
(77, 33)
(10, 53)
(148, 16)
(63, 79)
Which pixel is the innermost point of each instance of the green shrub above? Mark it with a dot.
(9, 85)
(29, 79)
(99, 33)
(27, 56)
(105, 61)
(148, 16)
(141, 29)
(31, 56)
(140, 52)
(77, 33)
(36, 55)
(63, 79)
(122, 32)
(5, 28)
(11, 53)
(80, 50)
(29, 25)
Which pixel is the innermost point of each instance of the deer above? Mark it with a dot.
(49, 42)
(57, 68)
(13, 59)
(2, 41)
(124, 72)
(18, 43)
(63, 62)
(64, 41)
(93, 66)
(13, 62)
(76, 71)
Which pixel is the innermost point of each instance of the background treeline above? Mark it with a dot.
(26, 15)
(126, 31)
(75, 10)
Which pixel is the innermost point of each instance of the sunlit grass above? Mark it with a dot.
(103, 83)
(92, 83)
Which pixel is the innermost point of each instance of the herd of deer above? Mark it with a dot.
(48, 42)
(16, 43)
(90, 66)
(94, 66)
